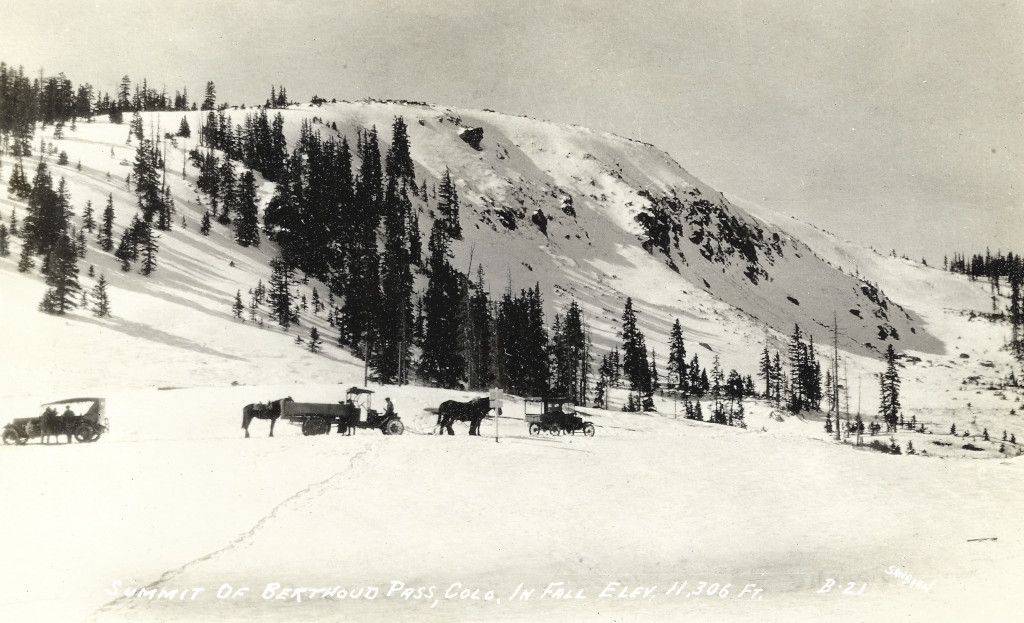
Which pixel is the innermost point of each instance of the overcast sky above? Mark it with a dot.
(896, 124)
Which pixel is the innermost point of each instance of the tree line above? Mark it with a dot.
(999, 269)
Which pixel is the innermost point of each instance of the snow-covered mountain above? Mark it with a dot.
(173, 498)
(622, 219)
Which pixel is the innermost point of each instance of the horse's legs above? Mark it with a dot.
(273, 421)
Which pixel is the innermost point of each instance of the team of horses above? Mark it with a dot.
(53, 425)
(449, 412)
(452, 411)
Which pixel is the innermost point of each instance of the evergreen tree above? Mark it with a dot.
(205, 225)
(521, 345)
(889, 407)
(716, 379)
(247, 231)
(124, 94)
(441, 362)
(5, 248)
(46, 220)
(18, 183)
(237, 307)
(88, 222)
(765, 372)
(571, 365)
(677, 368)
(144, 173)
(634, 359)
(797, 362)
(135, 127)
(145, 239)
(106, 230)
(603, 381)
(778, 381)
(80, 246)
(280, 292)
(184, 130)
(62, 276)
(315, 344)
(448, 206)
(25, 261)
(228, 187)
(166, 208)
(694, 384)
(399, 166)
(415, 240)
(394, 332)
(210, 97)
(655, 384)
(100, 298)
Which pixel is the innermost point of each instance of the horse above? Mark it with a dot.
(56, 425)
(473, 412)
(269, 411)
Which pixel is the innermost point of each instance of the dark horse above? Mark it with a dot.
(262, 411)
(51, 424)
(473, 412)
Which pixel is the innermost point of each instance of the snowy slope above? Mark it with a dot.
(173, 499)
(524, 165)
(180, 317)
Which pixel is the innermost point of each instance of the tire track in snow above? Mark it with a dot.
(295, 500)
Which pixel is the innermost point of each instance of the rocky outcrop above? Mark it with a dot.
(472, 136)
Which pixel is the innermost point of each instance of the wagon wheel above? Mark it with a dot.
(393, 426)
(11, 436)
(319, 425)
(86, 432)
(315, 425)
(554, 429)
(534, 428)
(307, 426)
(588, 429)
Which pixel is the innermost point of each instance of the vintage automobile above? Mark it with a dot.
(86, 423)
(555, 416)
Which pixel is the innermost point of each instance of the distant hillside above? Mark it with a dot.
(586, 215)
(622, 219)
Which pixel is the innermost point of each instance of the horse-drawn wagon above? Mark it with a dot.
(317, 418)
(555, 416)
(83, 418)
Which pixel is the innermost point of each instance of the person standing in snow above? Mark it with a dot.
(389, 410)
